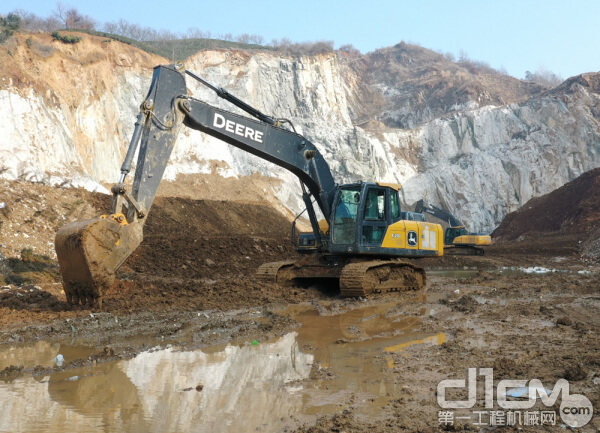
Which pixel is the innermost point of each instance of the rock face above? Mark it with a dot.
(480, 144)
(417, 85)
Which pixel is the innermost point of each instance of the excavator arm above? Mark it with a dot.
(90, 252)
(437, 212)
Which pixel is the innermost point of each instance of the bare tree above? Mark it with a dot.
(244, 38)
(257, 39)
(544, 77)
(32, 22)
(76, 20)
(110, 28)
(281, 43)
(450, 57)
(60, 13)
(303, 48)
(132, 31)
(349, 49)
(196, 33)
(71, 18)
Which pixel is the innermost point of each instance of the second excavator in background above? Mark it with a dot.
(360, 242)
(457, 240)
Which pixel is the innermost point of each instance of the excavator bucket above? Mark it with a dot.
(90, 252)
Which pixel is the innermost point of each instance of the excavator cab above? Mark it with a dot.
(367, 219)
(452, 233)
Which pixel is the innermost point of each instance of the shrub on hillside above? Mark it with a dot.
(8, 25)
(304, 48)
(67, 39)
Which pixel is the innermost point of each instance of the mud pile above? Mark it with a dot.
(202, 254)
(196, 254)
(201, 238)
(574, 208)
(31, 213)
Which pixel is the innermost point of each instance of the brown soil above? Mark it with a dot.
(572, 208)
(253, 189)
(523, 326)
(196, 254)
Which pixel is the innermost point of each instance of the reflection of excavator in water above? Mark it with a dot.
(456, 238)
(358, 243)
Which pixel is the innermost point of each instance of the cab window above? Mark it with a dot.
(394, 205)
(344, 220)
(375, 205)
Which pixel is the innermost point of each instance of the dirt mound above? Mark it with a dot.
(185, 238)
(196, 254)
(29, 297)
(31, 213)
(572, 208)
(590, 250)
(200, 254)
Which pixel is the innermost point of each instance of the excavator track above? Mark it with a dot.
(378, 276)
(356, 278)
(268, 271)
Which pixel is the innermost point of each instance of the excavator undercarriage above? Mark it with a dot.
(356, 277)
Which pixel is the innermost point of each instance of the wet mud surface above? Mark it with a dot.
(324, 363)
(189, 340)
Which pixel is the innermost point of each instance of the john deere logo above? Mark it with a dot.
(411, 238)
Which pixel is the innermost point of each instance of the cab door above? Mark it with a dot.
(344, 221)
(375, 216)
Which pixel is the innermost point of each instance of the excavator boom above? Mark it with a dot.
(90, 252)
(360, 243)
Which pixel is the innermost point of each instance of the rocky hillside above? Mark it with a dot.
(417, 85)
(468, 138)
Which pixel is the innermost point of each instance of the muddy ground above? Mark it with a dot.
(191, 284)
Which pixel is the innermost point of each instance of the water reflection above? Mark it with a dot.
(41, 353)
(243, 388)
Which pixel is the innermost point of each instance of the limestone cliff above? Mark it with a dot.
(479, 143)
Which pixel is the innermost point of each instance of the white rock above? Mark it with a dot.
(479, 163)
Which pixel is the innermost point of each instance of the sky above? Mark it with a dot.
(513, 35)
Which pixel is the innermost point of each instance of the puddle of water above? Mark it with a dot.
(352, 353)
(247, 387)
(468, 273)
(453, 273)
(494, 301)
(540, 270)
(41, 353)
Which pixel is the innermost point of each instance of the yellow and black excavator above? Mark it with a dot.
(457, 240)
(360, 242)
